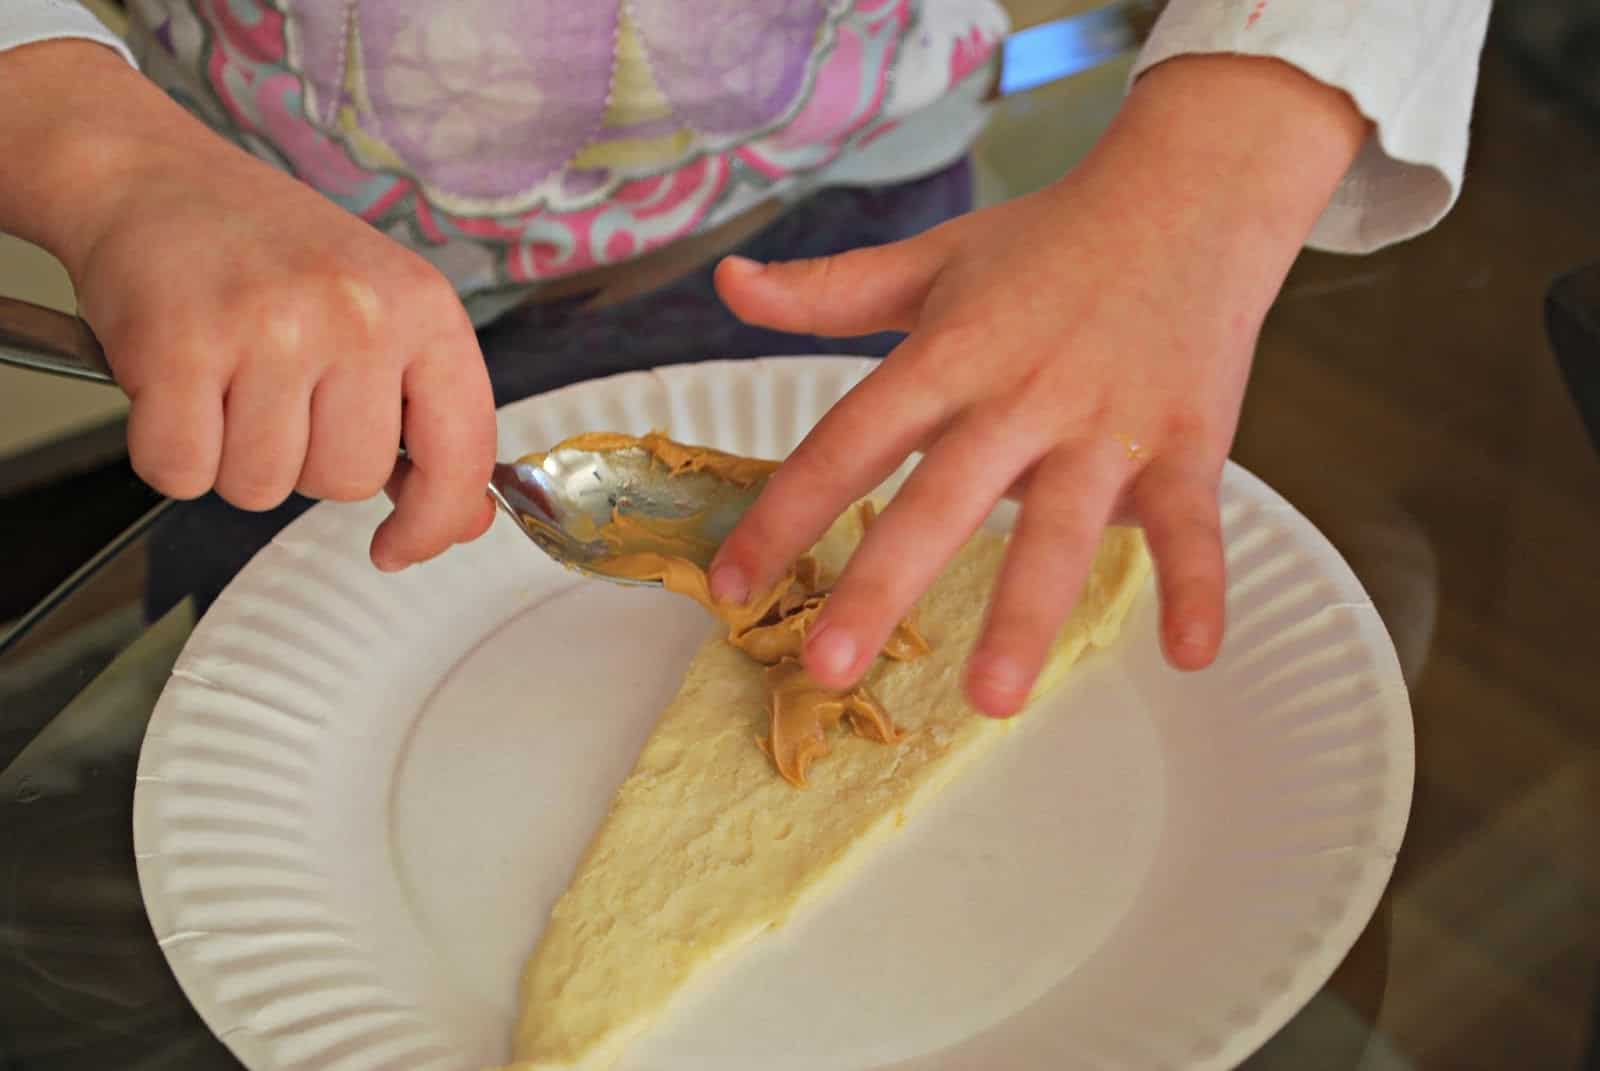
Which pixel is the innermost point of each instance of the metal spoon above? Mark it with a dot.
(559, 500)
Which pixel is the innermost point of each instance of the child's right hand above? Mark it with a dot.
(269, 341)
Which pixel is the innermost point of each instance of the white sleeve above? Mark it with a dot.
(1411, 66)
(26, 22)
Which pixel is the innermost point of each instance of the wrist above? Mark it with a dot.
(1244, 151)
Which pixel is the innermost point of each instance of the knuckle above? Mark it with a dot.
(275, 323)
(1060, 510)
(1186, 509)
(872, 599)
(171, 476)
(1081, 524)
(364, 479)
(1074, 524)
(1195, 590)
(460, 460)
(1192, 581)
(745, 544)
(823, 274)
(809, 271)
(1199, 518)
(172, 463)
(1009, 420)
(255, 498)
(960, 336)
(254, 489)
(816, 278)
(419, 275)
(429, 520)
(819, 461)
(1189, 561)
(322, 294)
(418, 544)
(1017, 623)
(341, 486)
(345, 463)
(432, 296)
(1185, 428)
(149, 351)
(357, 304)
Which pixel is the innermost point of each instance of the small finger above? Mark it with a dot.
(450, 438)
(477, 528)
(393, 488)
(175, 436)
(856, 446)
(1178, 509)
(1070, 499)
(266, 425)
(938, 509)
(355, 430)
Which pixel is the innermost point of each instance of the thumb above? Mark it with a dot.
(879, 288)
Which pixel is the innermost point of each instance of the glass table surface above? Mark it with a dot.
(1408, 402)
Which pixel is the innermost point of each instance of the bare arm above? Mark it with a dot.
(268, 340)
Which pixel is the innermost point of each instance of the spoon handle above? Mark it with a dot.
(32, 336)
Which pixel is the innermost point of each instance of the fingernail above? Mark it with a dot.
(384, 559)
(998, 682)
(728, 584)
(1192, 635)
(741, 263)
(1190, 644)
(831, 652)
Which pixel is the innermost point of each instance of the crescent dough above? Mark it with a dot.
(705, 846)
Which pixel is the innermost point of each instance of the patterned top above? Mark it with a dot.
(516, 141)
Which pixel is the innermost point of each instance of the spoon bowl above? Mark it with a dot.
(564, 501)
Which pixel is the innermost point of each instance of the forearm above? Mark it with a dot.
(1278, 137)
(79, 126)
(1410, 66)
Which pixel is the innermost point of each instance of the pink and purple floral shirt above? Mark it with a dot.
(513, 141)
(517, 141)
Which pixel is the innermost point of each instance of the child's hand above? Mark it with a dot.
(1086, 347)
(269, 341)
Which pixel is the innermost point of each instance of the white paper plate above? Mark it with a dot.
(360, 794)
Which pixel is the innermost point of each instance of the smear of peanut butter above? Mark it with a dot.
(806, 712)
(771, 627)
(679, 537)
(679, 458)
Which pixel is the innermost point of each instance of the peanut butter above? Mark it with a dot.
(676, 537)
(803, 712)
(771, 627)
(678, 457)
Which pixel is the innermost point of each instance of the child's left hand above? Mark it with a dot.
(1085, 348)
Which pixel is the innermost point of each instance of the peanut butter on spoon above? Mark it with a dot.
(679, 458)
